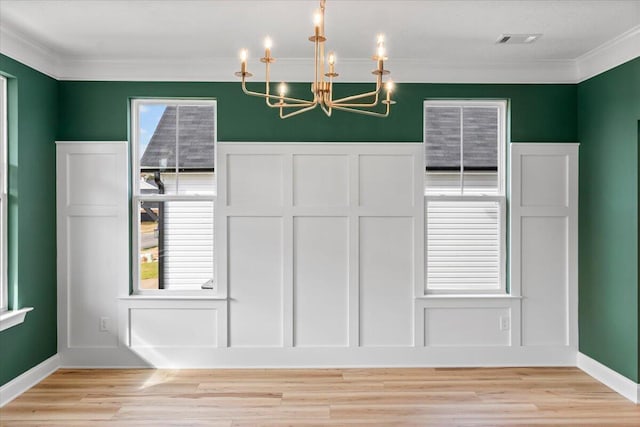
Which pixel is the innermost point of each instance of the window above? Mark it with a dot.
(4, 300)
(174, 193)
(464, 196)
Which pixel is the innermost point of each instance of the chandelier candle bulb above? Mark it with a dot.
(317, 22)
(282, 89)
(243, 60)
(268, 43)
(317, 19)
(389, 87)
(380, 53)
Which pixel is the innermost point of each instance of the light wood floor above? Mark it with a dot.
(365, 397)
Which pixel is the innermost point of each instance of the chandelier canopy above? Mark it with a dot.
(322, 85)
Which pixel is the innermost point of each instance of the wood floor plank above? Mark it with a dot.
(281, 387)
(320, 397)
(374, 397)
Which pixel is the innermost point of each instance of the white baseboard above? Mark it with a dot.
(597, 370)
(319, 357)
(610, 378)
(25, 381)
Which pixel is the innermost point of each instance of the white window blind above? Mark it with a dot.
(463, 248)
(188, 251)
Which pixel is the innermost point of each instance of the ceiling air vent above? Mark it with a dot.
(517, 38)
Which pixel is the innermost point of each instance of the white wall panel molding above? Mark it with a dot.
(340, 267)
(93, 242)
(168, 322)
(321, 286)
(323, 265)
(463, 321)
(544, 241)
(386, 261)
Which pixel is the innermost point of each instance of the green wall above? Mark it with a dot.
(98, 111)
(608, 111)
(602, 113)
(70, 110)
(33, 106)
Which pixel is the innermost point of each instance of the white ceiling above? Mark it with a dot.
(427, 40)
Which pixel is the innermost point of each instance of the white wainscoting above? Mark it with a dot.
(321, 243)
(168, 323)
(544, 241)
(92, 242)
(320, 262)
(321, 281)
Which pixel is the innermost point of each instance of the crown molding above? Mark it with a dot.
(299, 70)
(608, 55)
(23, 49)
(46, 60)
(544, 71)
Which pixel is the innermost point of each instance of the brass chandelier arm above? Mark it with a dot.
(293, 105)
(363, 95)
(329, 102)
(281, 99)
(353, 105)
(281, 104)
(295, 113)
(299, 102)
(326, 99)
(267, 83)
(343, 102)
(326, 111)
(365, 112)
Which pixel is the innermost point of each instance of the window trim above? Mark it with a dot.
(135, 103)
(502, 130)
(499, 197)
(137, 197)
(4, 166)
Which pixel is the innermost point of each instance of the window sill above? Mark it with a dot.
(468, 296)
(13, 317)
(173, 297)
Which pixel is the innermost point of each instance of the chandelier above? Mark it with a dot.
(322, 86)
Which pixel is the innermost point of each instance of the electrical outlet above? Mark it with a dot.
(505, 323)
(104, 324)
